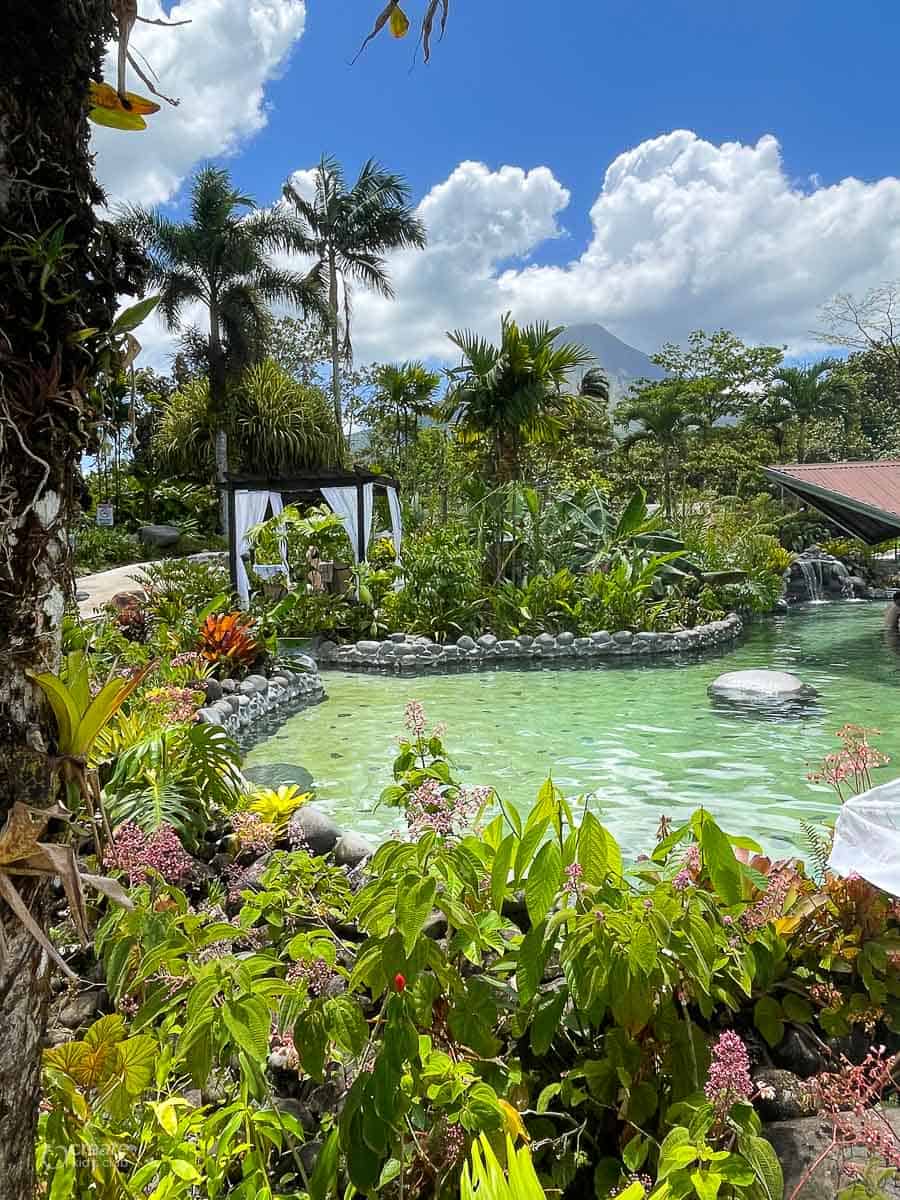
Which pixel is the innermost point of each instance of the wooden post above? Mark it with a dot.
(232, 542)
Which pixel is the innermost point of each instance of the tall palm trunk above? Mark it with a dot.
(218, 401)
(48, 53)
(335, 339)
(667, 482)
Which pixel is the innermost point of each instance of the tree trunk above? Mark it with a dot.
(218, 399)
(335, 342)
(48, 54)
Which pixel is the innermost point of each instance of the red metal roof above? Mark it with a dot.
(862, 497)
(874, 484)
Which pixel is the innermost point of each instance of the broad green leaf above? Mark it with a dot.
(676, 1151)
(62, 1185)
(531, 839)
(166, 1112)
(63, 705)
(311, 1041)
(643, 950)
(797, 1009)
(532, 959)
(184, 1170)
(135, 315)
(414, 902)
(500, 869)
(543, 882)
(706, 1184)
(761, 1157)
(720, 862)
(767, 1016)
(137, 1058)
(323, 1181)
(346, 1023)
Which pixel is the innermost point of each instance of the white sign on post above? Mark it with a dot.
(105, 515)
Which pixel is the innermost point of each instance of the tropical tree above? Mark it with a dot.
(725, 372)
(61, 271)
(404, 393)
(812, 391)
(520, 391)
(220, 259)
(349, 232)
(663, 414)
(274, 423)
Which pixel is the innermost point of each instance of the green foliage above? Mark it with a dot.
(176, 776)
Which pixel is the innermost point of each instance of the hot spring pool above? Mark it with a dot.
(640, 740)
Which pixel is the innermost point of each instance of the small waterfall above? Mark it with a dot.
(811, 570)
(817, 577)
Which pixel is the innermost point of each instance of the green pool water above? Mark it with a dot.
(639, 740)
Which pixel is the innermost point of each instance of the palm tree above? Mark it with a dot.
(815, 390)
(349, 232)
(220, 259)
(520, 391)
(404, 393)
(279, 425)
(663, 413)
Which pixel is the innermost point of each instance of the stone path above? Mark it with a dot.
(101, 588)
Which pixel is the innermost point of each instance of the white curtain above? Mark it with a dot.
(249, 509)
(342, 501)
(396, 519)
(396, 530)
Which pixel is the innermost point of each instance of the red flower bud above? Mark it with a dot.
(399, 982)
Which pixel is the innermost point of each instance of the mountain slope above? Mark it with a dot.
(622, 363)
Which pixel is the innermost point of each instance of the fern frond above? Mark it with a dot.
(818, 848)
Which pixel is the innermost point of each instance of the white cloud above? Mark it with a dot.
(217, 67)
(686, 234)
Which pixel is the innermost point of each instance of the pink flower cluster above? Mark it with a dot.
(414, 718)
(179, 704)
(770, 906)
(853, 763)
(642, 1178)
(283, 1048)
(729, 1072)
(431, 808)
(315, 973)
(136, 853)
(690, 869)
(573, 884)
(847, 1097)
(827, 995)
(253, 832)
(191, 658)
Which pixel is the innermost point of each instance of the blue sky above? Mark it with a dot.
(572, 89)
(709, 226)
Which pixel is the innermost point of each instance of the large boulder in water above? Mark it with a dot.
(276, 775)
(766, 687)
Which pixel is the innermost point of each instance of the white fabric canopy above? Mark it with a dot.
(342, 501)
(867, 837)
(249, 509)
(396, 519)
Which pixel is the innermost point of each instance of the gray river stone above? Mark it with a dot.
(159, 535)
(352, 849)
(764, 686)
(313, 827)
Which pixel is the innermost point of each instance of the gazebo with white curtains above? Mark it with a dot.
(350, 494)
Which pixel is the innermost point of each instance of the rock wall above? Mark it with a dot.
(407, 652)
(238, 705)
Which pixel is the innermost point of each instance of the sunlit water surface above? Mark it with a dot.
(637, 740)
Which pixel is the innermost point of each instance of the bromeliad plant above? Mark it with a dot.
(228, 641)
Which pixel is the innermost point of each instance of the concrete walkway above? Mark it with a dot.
(101, 588)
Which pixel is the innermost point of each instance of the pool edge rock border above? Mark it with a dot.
(242, 704)
(404, 652)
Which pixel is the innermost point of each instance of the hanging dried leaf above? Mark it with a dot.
(103, 95)
(117, 118)
(380, 22)
(428, 24)
(399, 22)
